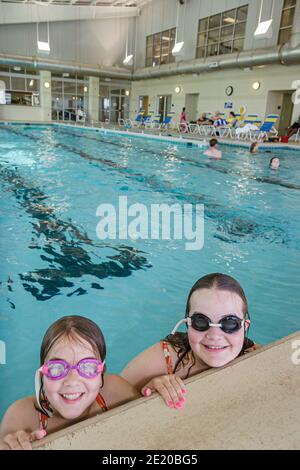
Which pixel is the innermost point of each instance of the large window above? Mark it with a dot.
(222, 33)
(69, 96)
(287, 20)
(159, 48)
(21, 86)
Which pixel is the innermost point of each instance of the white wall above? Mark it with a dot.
(211, 88)
(20, 113)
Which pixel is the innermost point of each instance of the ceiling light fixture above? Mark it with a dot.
(178, 46)
(43, 46)
(264, 29)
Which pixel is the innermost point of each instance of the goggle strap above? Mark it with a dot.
(101, 366)
(37, 383)
(184, 320)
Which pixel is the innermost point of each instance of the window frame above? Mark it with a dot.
(205, 48)
(26, 95)
(157, 52)
(283, 29)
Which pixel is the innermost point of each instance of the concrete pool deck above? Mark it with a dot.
(169, 136)
(253, 403)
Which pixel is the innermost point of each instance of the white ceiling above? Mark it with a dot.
(102, 3)
(36, 11)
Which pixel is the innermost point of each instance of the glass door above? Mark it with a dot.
(164, 106)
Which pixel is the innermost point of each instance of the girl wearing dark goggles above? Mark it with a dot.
(217, 320)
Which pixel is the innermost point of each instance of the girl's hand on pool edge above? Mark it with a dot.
(170, 387)
(21, 440)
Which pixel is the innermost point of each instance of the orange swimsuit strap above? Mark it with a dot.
(168, 357)
(43, 419)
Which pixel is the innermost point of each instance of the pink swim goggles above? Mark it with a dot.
(57, 369)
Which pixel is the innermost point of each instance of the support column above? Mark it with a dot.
(45, 95)
(93, 110)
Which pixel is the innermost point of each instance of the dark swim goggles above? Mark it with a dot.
(200, 322)
(229, 324)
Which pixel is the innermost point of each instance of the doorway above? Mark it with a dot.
(164, 106)
(143, 105)
(280, 102)
(286, 113)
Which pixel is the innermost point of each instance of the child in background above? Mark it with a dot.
(254, 147)
(213, 150)
(217, 319)
(274, 163)
(70, 385)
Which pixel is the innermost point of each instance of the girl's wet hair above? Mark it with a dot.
(219, 281)
(252, 146)
(75, 328)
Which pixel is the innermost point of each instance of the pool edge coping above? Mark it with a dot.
(182, 140)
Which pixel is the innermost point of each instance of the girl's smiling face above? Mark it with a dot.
(72, 396)
(214, 347)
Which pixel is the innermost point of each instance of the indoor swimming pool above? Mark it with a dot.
(53, 264)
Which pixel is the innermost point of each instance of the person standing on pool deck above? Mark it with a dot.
(217, 319)
(70, 385)
(183, 122)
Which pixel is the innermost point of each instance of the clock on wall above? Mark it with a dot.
(229, 90)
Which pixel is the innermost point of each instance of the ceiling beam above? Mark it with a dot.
(15, 13)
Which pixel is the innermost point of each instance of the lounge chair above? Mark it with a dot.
(167, 121)
(128, 123)
(266, 128)
(252, 122)
(153, 122)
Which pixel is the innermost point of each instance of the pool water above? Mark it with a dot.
(52, 263)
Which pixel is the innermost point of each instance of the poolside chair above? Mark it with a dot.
(207, 130)
(128, 123)
(243, 132)
(167, 121)
(266, 128)
(253, 119)
(153, 122)
(194, 128)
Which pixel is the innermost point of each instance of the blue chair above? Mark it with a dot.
(167, 121)
(266, 128)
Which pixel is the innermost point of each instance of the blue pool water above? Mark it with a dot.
(53, 264)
